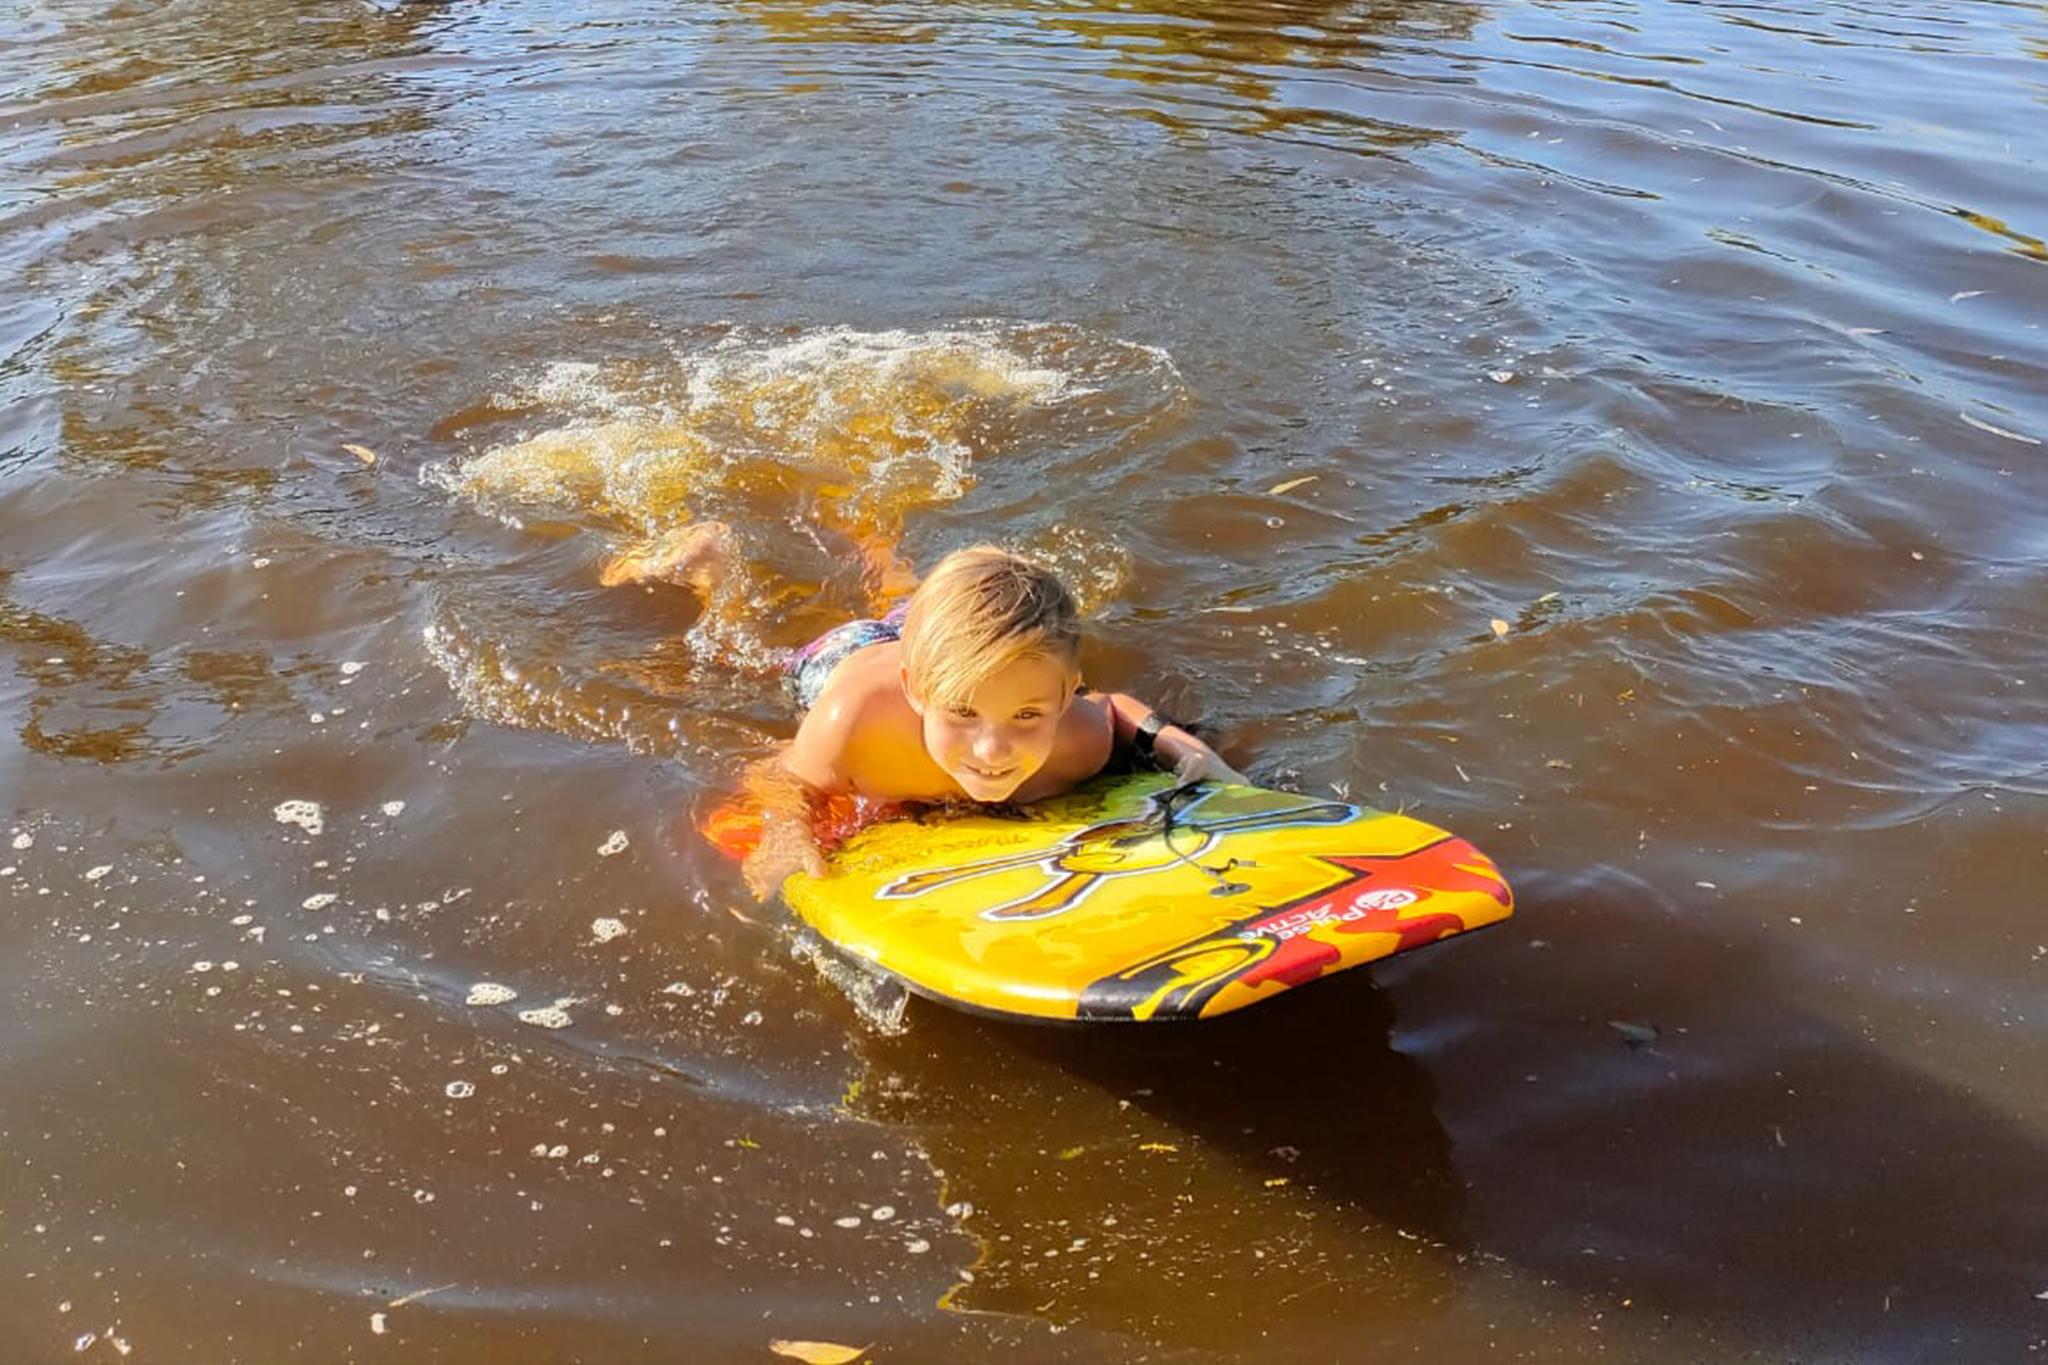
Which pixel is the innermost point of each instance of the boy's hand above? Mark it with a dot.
(786, 848)
(789, 842)
(1204, 764)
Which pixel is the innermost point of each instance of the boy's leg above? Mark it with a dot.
(886, 576)
(694, 555)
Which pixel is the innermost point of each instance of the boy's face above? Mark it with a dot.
(1005, 731)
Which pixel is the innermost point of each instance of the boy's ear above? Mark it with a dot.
(910, 690)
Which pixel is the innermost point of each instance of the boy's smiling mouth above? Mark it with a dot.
(1001, 778)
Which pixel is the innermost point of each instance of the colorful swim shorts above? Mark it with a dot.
(805, 675)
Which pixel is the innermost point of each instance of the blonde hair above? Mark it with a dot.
(980, 610)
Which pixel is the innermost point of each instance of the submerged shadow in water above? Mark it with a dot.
(1274, 1174)
(1754, 1176)
(1754, 1172)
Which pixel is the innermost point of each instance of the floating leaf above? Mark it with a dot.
(818, 1352)
(363, 453)
(403, 1299)
(1157, 1147)
(1500, 627)
(1292, 484)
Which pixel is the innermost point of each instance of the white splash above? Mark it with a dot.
(305, 814)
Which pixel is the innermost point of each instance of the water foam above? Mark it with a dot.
(837, 435)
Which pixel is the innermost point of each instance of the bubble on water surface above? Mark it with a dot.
(394, 809)
(616, 844)
(549, 1016)
(490, 993)
(318, 901)
(458, 1090)
(305, 814)
(24, 841)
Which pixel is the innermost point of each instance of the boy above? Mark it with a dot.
(972, 691)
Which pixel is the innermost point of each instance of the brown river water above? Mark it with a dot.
(366, 994)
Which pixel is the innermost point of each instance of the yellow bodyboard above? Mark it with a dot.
(1135, 898)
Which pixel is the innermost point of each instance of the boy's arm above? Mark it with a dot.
(791, 786)
(1171, 748)
(789, 840)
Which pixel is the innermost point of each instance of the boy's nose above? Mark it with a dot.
(991, 745)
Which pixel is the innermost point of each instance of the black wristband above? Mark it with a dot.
(1146, 731)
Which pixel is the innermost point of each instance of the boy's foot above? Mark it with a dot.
(693, 555)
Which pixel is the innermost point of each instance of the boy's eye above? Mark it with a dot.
(960, 712)
(1029, 714)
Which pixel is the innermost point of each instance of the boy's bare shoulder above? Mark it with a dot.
(860, 720)
(867, 689)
